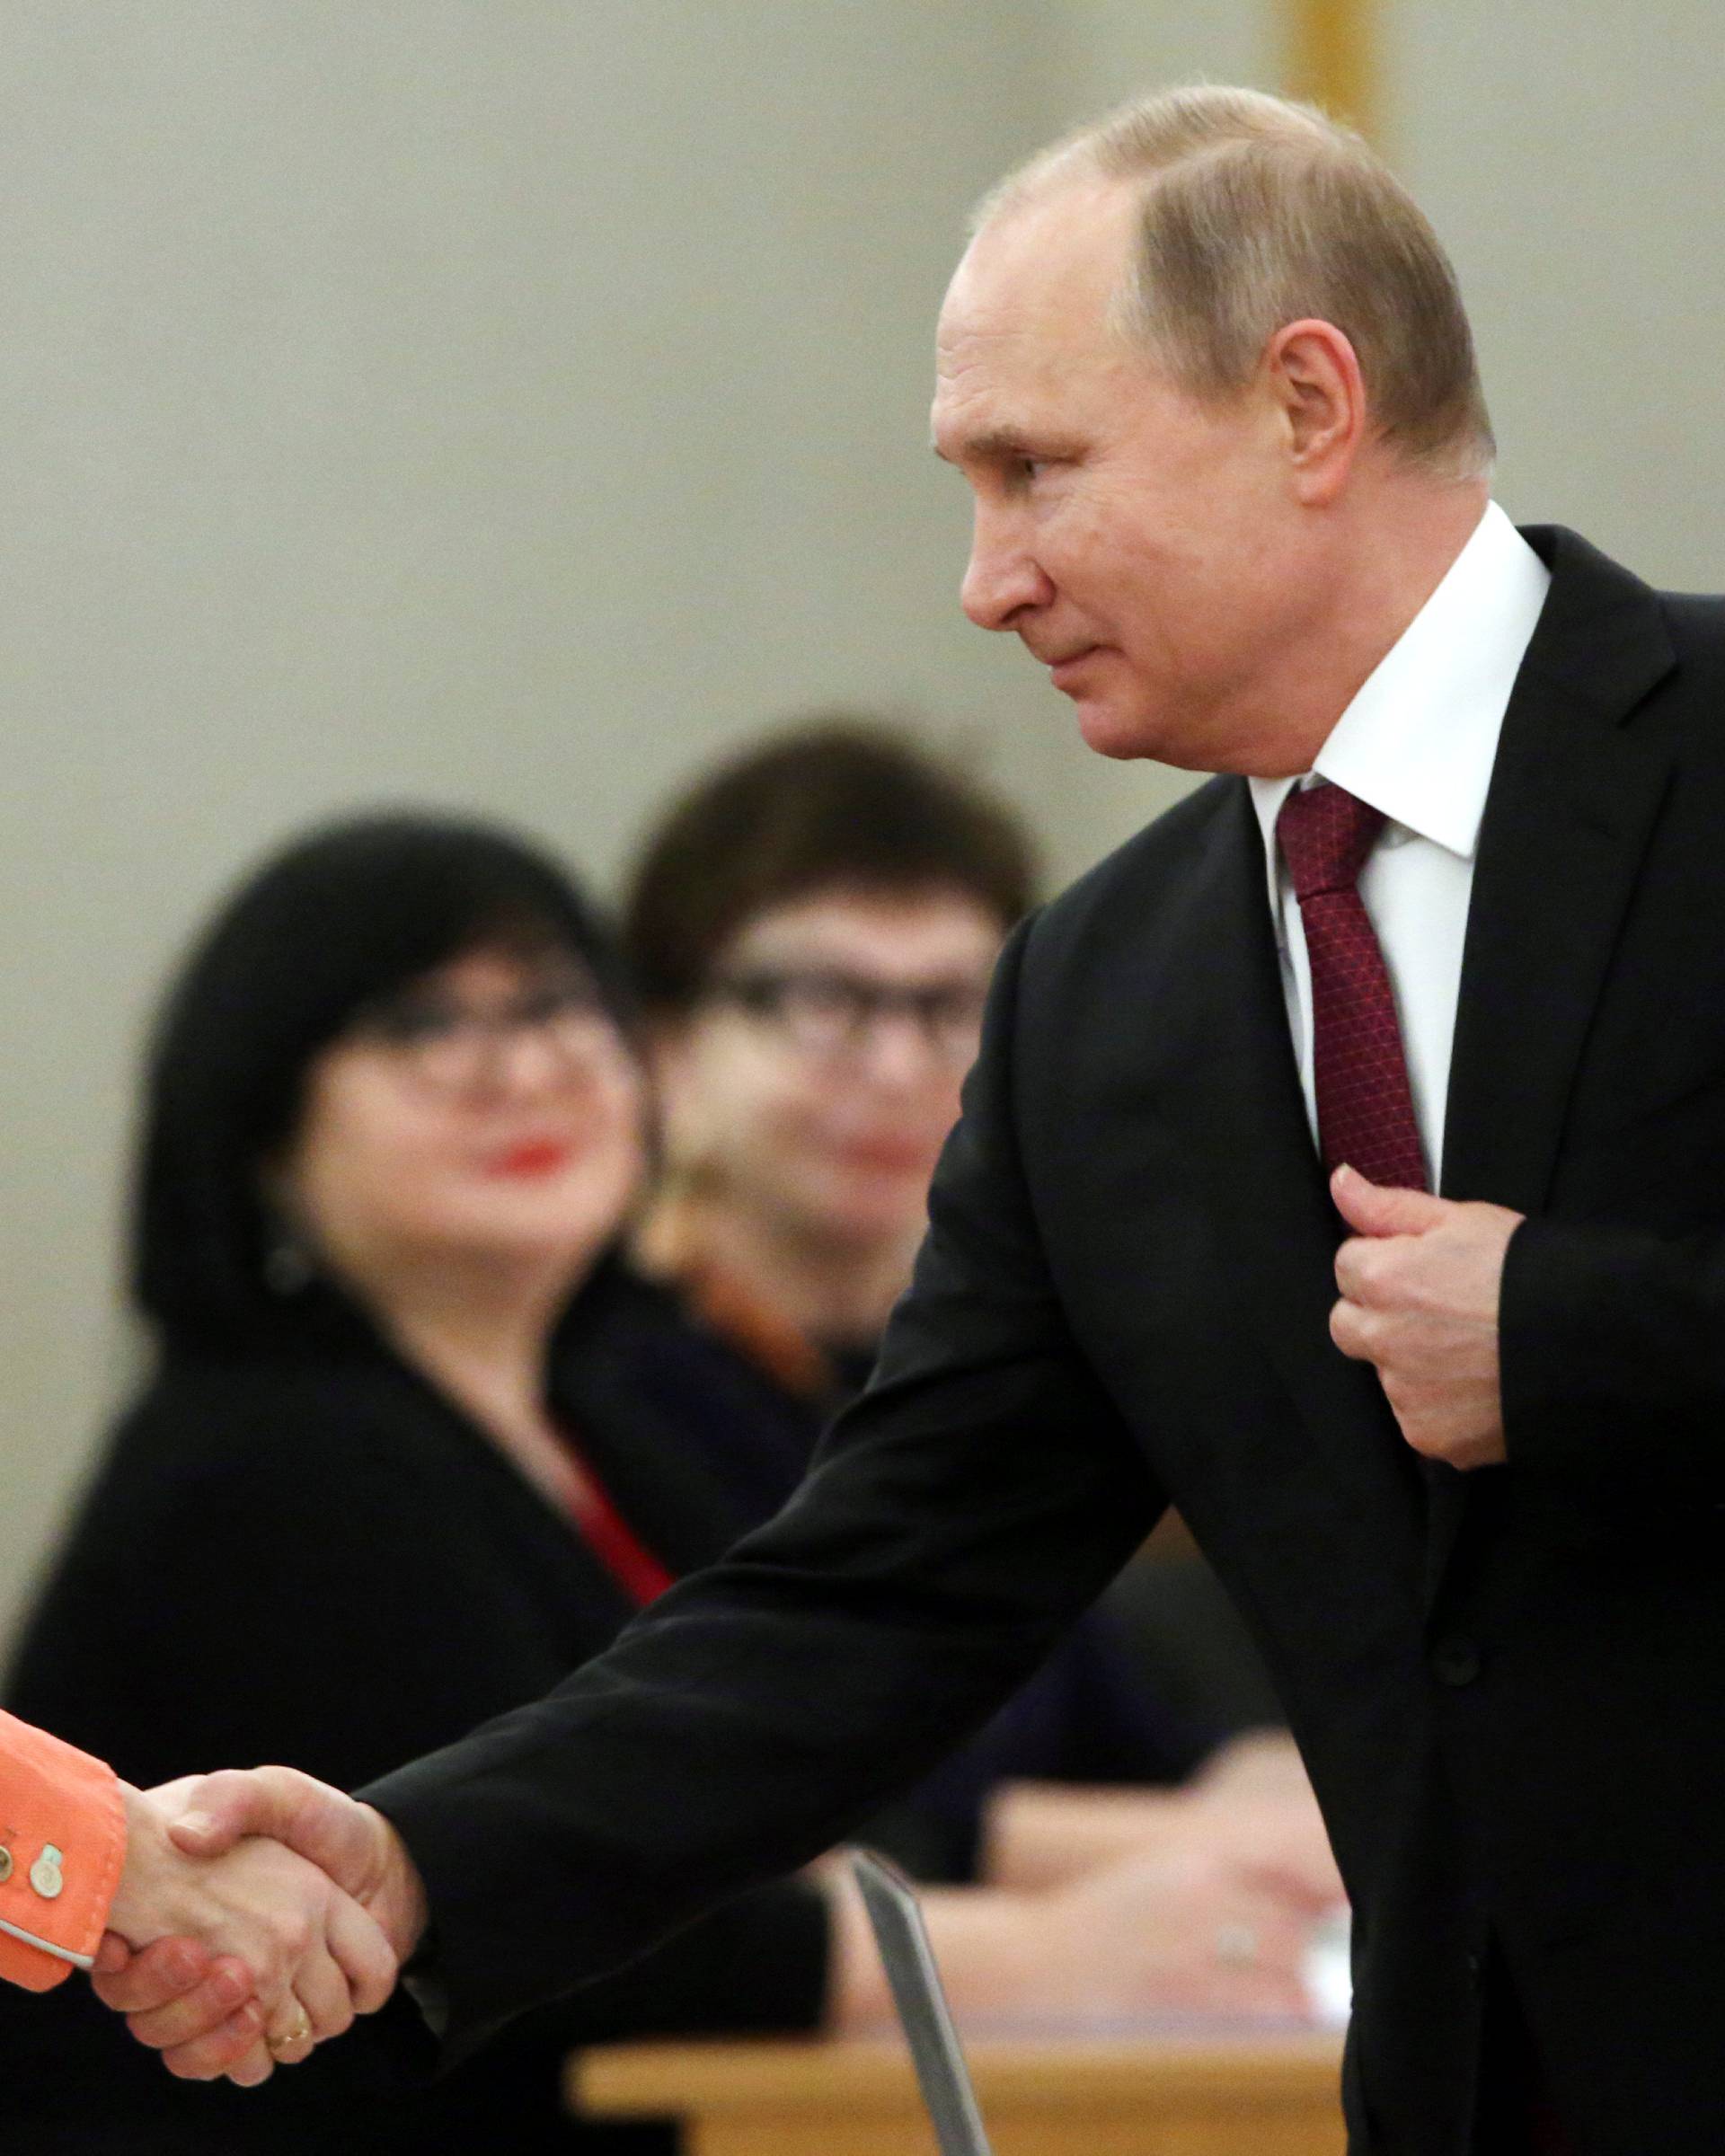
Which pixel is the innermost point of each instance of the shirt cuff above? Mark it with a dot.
(63, 1832)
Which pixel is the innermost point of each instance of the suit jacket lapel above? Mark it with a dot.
(1245, 1109)
(1574, 793)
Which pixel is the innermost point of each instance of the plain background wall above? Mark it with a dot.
(1571, 158)
(509, 402)
(489, 402)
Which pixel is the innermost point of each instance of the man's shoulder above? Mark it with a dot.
(1696, 620)
(1589, 588)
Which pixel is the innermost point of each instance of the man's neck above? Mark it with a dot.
(1385, 562)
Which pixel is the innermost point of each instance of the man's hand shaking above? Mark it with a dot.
(1419, 1280)
(325, 1907)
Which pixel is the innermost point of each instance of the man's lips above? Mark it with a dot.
(1062, 671)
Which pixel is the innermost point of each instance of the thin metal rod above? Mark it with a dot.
(915, 1979)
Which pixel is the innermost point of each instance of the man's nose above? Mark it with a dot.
(1003, 578)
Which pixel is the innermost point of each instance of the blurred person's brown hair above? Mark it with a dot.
(838, 803)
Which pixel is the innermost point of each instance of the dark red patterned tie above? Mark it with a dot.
(1365, 1105)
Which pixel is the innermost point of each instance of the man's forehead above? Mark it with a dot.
(1031, 294)
(1042, 263)
(1026, 322)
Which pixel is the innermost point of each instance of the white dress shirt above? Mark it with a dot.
(1419, 742)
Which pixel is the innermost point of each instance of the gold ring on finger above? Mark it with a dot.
(288, 2039)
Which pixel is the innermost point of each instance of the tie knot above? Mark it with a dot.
(1325, 834)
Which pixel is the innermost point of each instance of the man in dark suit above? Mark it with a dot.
(1206, 374)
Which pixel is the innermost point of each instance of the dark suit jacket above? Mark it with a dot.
(1506, 1685)
(1090, 1714)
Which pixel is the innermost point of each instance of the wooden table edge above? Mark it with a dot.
(650, 2079)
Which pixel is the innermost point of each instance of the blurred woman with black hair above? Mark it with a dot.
(366, 1500)
(404, 1461)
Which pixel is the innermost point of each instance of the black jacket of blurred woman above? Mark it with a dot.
(398, 1469)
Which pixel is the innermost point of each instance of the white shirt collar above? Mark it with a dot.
(1419, 738)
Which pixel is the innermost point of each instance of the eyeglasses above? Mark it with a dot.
(824, 1011)
(449, 1047)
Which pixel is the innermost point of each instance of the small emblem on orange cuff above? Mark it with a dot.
(5, 1864)
(45, 1874)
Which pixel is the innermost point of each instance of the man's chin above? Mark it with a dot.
(1113, 732)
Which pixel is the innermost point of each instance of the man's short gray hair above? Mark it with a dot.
(1255, 212)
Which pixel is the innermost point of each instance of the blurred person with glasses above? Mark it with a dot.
(812, 929)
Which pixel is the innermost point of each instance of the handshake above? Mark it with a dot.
(257, 1914)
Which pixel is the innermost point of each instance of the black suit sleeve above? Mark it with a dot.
(979, 1495)
(1612, 1350)
(252, 1581)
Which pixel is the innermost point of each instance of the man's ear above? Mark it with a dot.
(1314, 374)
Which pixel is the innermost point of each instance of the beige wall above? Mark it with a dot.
(507, 402)
(500, 403)
(1572, 158)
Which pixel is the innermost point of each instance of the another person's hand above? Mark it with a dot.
(1175, 1930)
(1419, 1279)
(1182, 1929)
(1260, 1763)
(1250, 1805)
(353, 1843)
(253, 1918)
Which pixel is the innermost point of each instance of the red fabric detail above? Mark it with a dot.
(1365, 1105)
(628, 1559)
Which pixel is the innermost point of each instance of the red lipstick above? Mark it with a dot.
(532, 1158)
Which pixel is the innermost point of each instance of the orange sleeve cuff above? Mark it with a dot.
(63, 1835)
